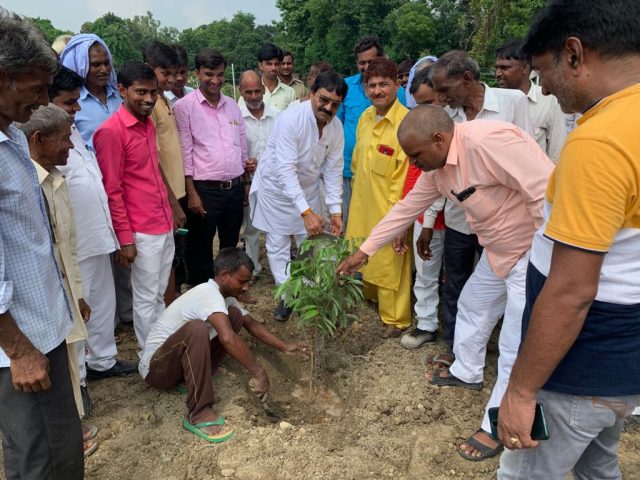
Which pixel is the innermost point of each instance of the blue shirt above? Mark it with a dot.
(93, 112)
(349, 113)
(30, 282)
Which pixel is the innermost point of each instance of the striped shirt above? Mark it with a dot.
(30, 282)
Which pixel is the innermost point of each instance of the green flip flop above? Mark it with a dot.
(197, 430)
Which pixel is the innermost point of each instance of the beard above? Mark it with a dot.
(254, 105)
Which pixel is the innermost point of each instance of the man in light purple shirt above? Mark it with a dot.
(214, 149)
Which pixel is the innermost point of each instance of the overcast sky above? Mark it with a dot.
(71, 14)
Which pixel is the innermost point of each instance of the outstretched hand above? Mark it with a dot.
(352, 263)
(297, 349)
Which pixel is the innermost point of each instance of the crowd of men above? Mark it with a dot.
(117, 183)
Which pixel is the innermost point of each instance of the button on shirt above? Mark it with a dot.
(509, 172)
(548, 121)
(30, 282)
(95, 234)
(213, 138)
(349, 113)
(128, 158)
(499, 104)
(93, 112)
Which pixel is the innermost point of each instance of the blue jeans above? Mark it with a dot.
(583, 438)
(346, 200)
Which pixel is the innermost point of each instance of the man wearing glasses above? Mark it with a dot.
(306, 144)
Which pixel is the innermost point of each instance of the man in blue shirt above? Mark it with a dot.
(352, 107)
(38, 417)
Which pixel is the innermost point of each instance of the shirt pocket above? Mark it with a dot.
(231, 131)
(481, 205)
(382, 164)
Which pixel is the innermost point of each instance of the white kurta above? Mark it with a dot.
(290, 170)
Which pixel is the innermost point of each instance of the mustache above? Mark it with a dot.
(327, 112)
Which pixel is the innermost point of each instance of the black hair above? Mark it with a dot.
(231, 259)
(609, 27)
(160, 55)
(133, 71)
(405, 66)
(421, 77)
(209, 58)
(367, 43)
(66, 80)
(269, 51)
(330, 81)
(287, 53)
(512, 50)
(181, 52)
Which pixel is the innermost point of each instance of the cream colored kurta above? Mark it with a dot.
(379, 171)
(63, 226)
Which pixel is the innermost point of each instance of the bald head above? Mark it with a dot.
(249, 77)
(425, 120)
(252, 91)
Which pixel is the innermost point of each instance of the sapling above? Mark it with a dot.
(320, 301)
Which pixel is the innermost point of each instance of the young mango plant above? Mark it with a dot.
(321, 302)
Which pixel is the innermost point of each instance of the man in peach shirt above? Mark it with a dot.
(498, 174)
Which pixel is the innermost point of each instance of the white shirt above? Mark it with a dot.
(279, 99)
(287, 181)
(499, 104)
(548, 121)
(258, 129)
(199, 303)
(89, 201)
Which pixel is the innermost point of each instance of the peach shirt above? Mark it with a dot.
(509, 172)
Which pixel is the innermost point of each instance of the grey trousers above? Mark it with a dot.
(583, 438)
(41, 435)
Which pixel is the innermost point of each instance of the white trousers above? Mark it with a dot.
(279, 254)
(100, 294)
(426, 285)
(149, 277)
(251, 237)
(484, 299)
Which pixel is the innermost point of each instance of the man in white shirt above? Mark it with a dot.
(96, 240)
(513, 71)
(194, 334)
(306, 144)
(258, 119)
(456, 78)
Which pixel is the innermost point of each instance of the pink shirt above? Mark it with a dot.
(128, 158)
(509, 172)
(214, 139)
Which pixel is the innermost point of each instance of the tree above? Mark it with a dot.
(49, 32)
(411, 29)
(118, 35)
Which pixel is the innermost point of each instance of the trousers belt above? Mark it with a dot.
(219, 184)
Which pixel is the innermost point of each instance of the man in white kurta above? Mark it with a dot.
(259, 118)
(305, 146)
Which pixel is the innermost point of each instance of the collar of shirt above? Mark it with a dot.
(11, 135)
(280, 85)
(533, 92)
(129, 120)
(490, 103)
(56, 176)
(202, 99)
(111, 92)
(395, 114)
(266, 112)
(452, 156)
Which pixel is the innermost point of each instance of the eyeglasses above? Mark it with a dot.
(326, 101)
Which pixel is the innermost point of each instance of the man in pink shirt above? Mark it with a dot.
(138, 199)
(498, 174)
(214, 150)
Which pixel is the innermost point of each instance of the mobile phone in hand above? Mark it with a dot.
(539, 429)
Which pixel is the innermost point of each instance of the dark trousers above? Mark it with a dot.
(224, 214)
(41, 435)
(188, 354)
(459, 255)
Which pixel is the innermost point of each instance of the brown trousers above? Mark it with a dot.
(189, 354)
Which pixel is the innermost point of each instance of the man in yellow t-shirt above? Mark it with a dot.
(380, 168)
(580, 356)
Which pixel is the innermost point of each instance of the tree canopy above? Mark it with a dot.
(327, 30)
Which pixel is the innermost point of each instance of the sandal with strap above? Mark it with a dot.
(452, 381)
(485, 451)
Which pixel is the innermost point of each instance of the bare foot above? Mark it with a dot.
(484, 439)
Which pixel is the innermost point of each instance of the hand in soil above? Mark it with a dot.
(297, 349)
(259, 385)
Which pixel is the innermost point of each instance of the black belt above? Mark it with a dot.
(219, 184)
